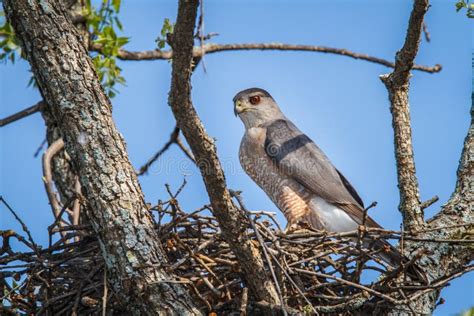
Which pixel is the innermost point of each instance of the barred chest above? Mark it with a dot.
(289, 196)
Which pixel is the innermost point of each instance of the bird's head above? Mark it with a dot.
(256, 106)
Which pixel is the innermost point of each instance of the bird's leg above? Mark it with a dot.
(290, 228)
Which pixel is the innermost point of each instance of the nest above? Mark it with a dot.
(314, 272)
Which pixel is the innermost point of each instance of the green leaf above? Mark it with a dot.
(119, 24)
(116, 5)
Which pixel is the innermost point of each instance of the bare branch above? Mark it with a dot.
(466, 165)
(23, 225)
(231, 220)
(426, 32)
(185, 149)
(173, 137)
(265, 250)
(52, 150)
(24, 113)
(430, 202)
(200, 51)
(397, 84)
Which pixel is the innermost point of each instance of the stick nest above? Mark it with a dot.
(315, 272)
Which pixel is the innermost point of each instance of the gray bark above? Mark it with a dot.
(118, 213)
(232, 221)
(439, 259)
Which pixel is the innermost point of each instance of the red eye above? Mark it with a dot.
(254, 99)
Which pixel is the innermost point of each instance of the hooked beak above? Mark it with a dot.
(239, 108)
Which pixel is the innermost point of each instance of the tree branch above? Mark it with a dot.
(173, 137)
(118, 214)
(24, 113)
(397, 84)
(52, 150)
(200, 51)
(231, 221)
(456, 216)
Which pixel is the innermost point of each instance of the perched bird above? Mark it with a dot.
(295, 173)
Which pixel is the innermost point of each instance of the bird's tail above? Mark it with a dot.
(395, 259)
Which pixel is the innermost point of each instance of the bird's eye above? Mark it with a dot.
(254, 99)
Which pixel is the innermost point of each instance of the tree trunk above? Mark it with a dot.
(118, 214)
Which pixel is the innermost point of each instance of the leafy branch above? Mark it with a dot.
(9, 45)
(103, 24)
(465, 4)
(167, 28)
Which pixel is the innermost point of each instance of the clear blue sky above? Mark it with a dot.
(339, 102)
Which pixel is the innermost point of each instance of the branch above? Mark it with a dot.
(52, 150)
(466, 165)
(200, 51)
(24, 113)
(231, 221)
(265, 251)
(397, 84)
(429, 202)
(119, 215)
(172, 140)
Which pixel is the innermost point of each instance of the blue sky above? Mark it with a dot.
(339, 102)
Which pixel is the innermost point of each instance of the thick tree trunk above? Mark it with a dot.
(119, 216)
(64, 176)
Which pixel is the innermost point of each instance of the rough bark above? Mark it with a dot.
(118, 214)
(445, 259)
(232, 222)
(440, 260)
(63, 174)
(397, 84)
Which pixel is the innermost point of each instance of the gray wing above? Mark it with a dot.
(299, 157)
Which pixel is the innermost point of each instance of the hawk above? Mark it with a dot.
(296, 174)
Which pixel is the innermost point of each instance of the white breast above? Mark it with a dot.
(332, 217)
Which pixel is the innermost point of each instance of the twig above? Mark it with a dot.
(237, 195)
(356, 285)
(52, 150)
(294, 284)
(426, 32)
(24, 113)
(23, 225)
(76, 208)
(244, 302)
(186, 150)
(104, 297)
(40, 147)
(174, 135)
(200, 33)
(429, 202)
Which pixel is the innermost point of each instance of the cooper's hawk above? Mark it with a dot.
(296, 174)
